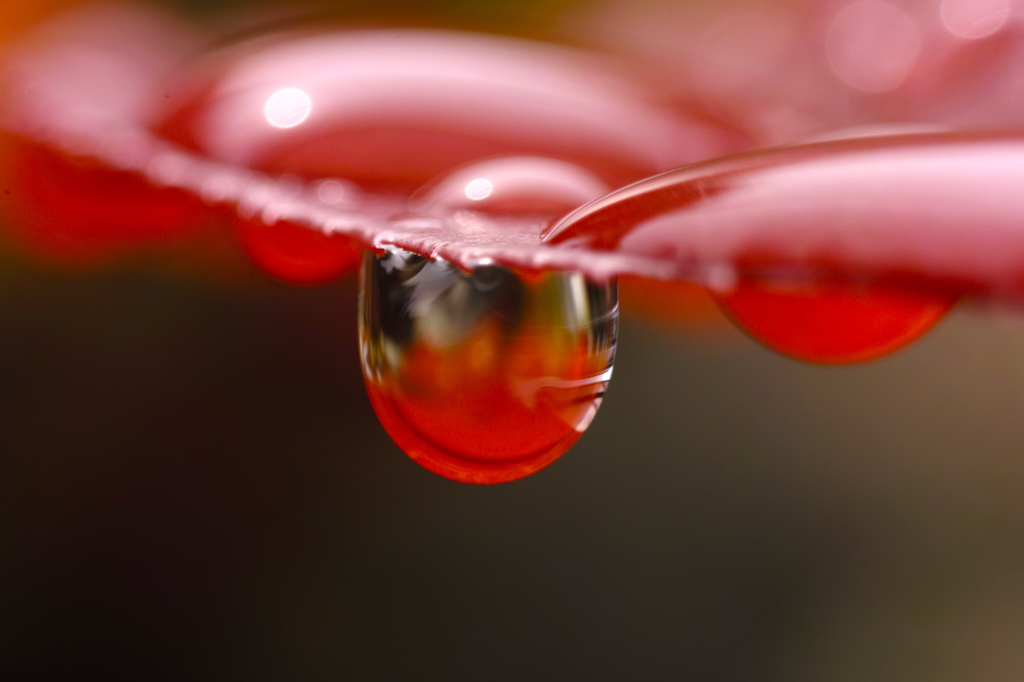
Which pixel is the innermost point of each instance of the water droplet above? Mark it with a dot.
(484, 376)
(515, 185)
(820, 246)
(297, 253)
(833, 322)
(390, 110)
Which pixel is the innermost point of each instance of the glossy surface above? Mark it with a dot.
(288, 250)
(811, 268)
(483, 377)
(833, 323)
(296, 254)
(894, 205)
(514, 185)
(194, 488)
(938, 213)
(393, 109)
(943, 210)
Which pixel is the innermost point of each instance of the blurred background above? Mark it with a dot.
(194, 486)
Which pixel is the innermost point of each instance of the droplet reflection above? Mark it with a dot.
(515, 185)
(479, 189)
(488, 376)
(287, 108)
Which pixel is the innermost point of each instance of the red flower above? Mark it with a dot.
(316, 143)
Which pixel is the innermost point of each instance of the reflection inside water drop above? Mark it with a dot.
(488, 376)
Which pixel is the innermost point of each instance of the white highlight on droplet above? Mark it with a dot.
(872, 46)
(287, 108)
(479, 189)
(973, 19)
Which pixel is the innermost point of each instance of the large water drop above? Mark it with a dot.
(484, 376)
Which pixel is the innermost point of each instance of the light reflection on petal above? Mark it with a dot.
(393, 109)
(479, 189)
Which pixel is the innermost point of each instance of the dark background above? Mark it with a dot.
(193, 486)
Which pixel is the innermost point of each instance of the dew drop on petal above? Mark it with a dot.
(297, 254)
(824, 241)
(515, 185)
(391, 109)
(832, 322)
(487, 376)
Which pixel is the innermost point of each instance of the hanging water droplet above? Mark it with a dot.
(486, 376)
(296, 253)
(834, 322)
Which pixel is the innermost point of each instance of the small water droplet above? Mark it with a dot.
(389, 110)
(515, 185)
(296, 253)
(486, 376)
